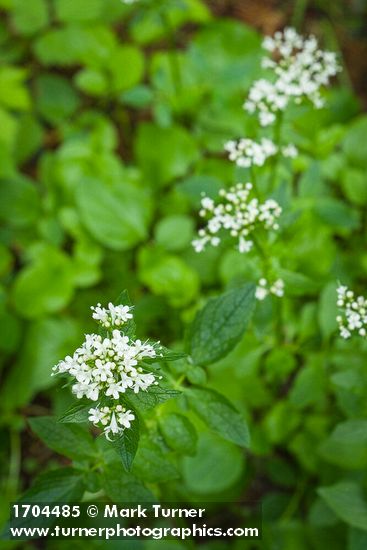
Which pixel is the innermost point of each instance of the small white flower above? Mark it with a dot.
(264, 288)
(142, 382)
(290, 151)
(353, 314)
(246, 152)
(95, 416)
(261, 293)
(300, 70)
(114, 420)
(239, 215)
(108, 367)
(112, 316)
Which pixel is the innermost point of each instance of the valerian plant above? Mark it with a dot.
(299, 70)
(121, 382)
(128, 137)
(117, 376)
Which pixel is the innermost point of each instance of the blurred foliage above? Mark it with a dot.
(113, 119)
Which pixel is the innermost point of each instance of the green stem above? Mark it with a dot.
(254, 182)
(178, 383)
(262, 252)
(172, 56)
(278, 321)
(14, 464)
(300, 7)
(277, 140)
(333, 43)
(294, 501)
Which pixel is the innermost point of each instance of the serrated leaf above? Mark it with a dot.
(126, 444)
(155, 395)
(220, 325)
(77, 413)
(170, 355)
(178, 433)
(122, 487)
(152, 465)
(61, 485)
(219, 414)
(69, 440)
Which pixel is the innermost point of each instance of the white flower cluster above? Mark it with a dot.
(300, 70)
(113, 419)
(112, 315)
(264, 288)
(108, 366)
(239, 214)
(247, 152)
(354, 318)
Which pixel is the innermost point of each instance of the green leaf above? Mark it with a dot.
(76, 45)
(229, 63)
(347, 445)
(78, 10)
(168, 275)
(354, 185)
(154, 23)
(151, 464)
(126, 66)
(196, 375)
(10, 332)
(178, 433)
(29, 138)
(20, 203)
(173, 153)
(92, 82)
(357, 539)
(69, 440)
(220, 325)
(138, 97)
(219, 414)
(56, 99)
(145, 400)
(193, 187)
(127, 443)
(174, 232)
(170, 355)
(298, 284)
(31, 16)
(354, 143)
(13, 92)
(118, 217)
(347, 501)
(45, 342)
(77, 413)
(328, 310)
(61, 485)
(337, 214)
(64, 485)
(216, 466)
(122, 487)
(44, 286)
(309, 387)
